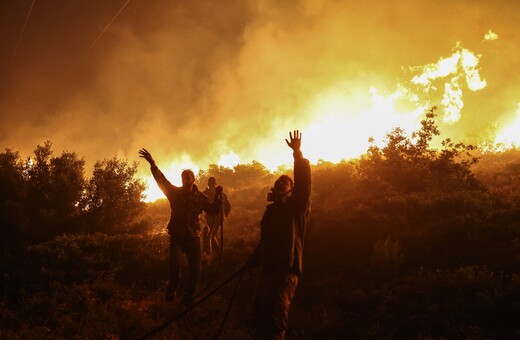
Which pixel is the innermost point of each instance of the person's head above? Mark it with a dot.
(188, 178)
(283, 187)
(212, 182)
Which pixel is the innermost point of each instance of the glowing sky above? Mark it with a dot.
(198, 82)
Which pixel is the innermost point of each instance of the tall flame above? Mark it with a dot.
(341, 126)
(461, 65)
(338, 121)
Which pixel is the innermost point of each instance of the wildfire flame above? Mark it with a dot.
(490, 36)
(340, 121)
(509, 136)
(229, 160)
(461, 65)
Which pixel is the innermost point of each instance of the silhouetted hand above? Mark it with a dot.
(296, 140)
(219, 190)
(143, 153)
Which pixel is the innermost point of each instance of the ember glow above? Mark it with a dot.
(490, 35)
(206, 82)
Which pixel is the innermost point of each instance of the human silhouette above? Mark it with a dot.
(212, 223)
(280, 251)
(186, 203)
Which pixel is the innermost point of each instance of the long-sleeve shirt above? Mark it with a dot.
(185, 206)
(282, 229)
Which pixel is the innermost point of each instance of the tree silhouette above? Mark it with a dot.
(67, 185)
(411, 164)
(13, 191)
(113, 196)
(55, 186)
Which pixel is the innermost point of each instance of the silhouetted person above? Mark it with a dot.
(186, 204)
(213, 222)
(280, 251)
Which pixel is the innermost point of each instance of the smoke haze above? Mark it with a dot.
(196, 80)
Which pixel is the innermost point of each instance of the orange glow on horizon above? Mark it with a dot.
(172, 173)
(338, 121)
(509, 136)
(229, 160)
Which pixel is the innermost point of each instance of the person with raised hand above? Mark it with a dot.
(186, 203)
(280, 251)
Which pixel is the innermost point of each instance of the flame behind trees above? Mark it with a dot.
(53, 193)
(409, 164)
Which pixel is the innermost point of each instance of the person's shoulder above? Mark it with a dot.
(200, 194)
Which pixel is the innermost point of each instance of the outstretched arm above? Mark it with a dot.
(302, 172)
(159, 177)
(143, 153)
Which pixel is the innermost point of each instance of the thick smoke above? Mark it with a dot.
(199, 79)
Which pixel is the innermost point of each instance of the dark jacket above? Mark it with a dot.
(283, 225)
(185, 207)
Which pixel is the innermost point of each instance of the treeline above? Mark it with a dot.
(46, 195)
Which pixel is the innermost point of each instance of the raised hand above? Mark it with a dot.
(143, 153)
(296, 140)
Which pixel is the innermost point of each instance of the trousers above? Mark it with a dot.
(191, 247)
(271, 303)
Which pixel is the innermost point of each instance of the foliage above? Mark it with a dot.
(411, 164)
(67, 179)
(500, 173)
(48, 195)
(113, 196)
(39, 196)
(13, 191)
